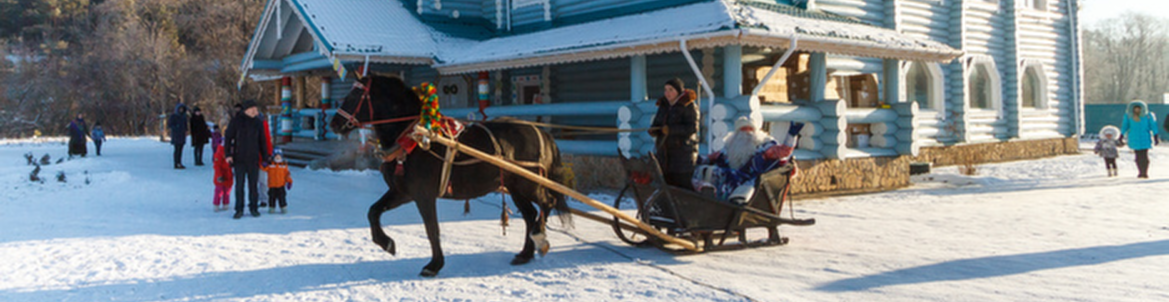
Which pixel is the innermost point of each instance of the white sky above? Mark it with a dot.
(1097, 10)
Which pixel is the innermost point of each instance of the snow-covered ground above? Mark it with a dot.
(1045, 230)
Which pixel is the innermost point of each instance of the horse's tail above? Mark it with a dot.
(561, 175)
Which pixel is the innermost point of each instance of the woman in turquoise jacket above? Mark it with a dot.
(1140, 129)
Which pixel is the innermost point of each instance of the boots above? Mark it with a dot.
(1113, 173)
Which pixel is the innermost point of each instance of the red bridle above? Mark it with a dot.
(351, 118)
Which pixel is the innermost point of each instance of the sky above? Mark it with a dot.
(1093, 11)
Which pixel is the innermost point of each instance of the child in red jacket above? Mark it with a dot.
(223, 180)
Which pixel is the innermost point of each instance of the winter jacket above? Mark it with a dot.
(177, 123)
(223, 175)
(216, 139)
(200, 133)
(1106, 148)
(98, 135)
(278, 175)
(77, 132)
(1139, 133)
(245, 140)
(677, 149)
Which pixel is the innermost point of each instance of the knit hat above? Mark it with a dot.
(743, 121)
(248, 104)
(277, 151)
(677, 84)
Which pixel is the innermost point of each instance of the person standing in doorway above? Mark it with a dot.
(177, 123)
(245, 149)
(1140, 129)
(675, 132)
(199, 134)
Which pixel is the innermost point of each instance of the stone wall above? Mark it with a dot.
(998, 152)
(853, 175)
(595, 172)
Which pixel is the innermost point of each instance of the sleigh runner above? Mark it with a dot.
(700, 217)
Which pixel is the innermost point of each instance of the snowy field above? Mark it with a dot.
(1046, 230)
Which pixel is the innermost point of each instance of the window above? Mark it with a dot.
(1033, 92)
(1034, 4)
(979, 88)
(923, 85)
(983, 84)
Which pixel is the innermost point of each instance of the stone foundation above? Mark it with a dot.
(857, 175)
(853, 175)
(595, 172)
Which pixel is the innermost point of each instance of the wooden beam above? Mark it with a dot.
(513, 168)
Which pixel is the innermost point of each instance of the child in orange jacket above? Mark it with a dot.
(279, 182)
(223, 179)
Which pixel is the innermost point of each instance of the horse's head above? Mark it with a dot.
(383, 101)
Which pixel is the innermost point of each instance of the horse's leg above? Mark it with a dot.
(426, 207)
(534, 234)
(389, 201)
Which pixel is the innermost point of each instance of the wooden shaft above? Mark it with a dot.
(510, 167)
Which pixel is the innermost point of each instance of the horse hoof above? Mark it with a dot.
(390, 249)
(426, 272)
(518, 260)
(541, 241)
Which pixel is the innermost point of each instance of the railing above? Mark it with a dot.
(580, 147)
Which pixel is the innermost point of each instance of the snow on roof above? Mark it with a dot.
(377, 28)
(672, 23)
(386, 31)
(714, 23)
(785, 21)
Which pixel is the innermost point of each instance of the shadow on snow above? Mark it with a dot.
(997, 266)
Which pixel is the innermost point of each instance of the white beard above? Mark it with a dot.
(740, 146)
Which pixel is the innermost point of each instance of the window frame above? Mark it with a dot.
(935, 89)
(994, 83)
(1040, 93)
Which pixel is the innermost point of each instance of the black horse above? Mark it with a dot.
(385, 102)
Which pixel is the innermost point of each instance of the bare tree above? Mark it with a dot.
(1124, 59)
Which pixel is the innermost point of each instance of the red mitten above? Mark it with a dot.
(714, 156)
(777, 152)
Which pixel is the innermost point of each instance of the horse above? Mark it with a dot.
(388, 104)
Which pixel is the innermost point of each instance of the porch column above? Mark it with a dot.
(818, 76)
(732, 71)
(322, 127)
(637, 79)
(638, 114)
(285, 110)
(892, 81)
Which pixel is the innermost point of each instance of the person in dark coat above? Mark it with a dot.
(177, 123)
(675, 132)
(200, 134)
(77, 133)
(245, 148)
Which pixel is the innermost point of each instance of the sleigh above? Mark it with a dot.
(701, 218)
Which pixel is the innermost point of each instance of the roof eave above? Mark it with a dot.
(714, 39)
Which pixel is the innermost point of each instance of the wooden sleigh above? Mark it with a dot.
(701, 218)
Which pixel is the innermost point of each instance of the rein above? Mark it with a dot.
(351, 118)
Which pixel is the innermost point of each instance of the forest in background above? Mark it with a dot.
(125, 62)
(120, 62)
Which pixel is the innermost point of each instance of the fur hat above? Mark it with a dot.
(677, 84)
(744, 121)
